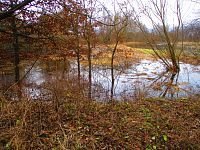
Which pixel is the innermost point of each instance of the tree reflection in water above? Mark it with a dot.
(146, 78)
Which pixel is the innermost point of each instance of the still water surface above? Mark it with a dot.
(145, 78)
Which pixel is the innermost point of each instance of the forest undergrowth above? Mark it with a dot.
(78, 123)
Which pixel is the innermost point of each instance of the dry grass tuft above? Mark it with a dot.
(83, 124)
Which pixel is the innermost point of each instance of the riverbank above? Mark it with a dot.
(77, 123)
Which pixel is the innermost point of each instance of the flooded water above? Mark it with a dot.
(146, 78)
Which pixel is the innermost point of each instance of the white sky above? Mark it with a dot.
(188, 10)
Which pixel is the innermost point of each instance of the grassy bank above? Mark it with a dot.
(82, 124)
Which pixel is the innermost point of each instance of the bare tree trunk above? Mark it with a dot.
(112, 70)
(90, 69)
(16, 53)
(79, 66)
(115, 32)
(171, 50)
(16, 49)
(78, 58)
(88, 35)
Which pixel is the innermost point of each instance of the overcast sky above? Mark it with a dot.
(189, 10)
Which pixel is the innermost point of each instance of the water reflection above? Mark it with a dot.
(36, 75)
(149, 78)
(146, 78)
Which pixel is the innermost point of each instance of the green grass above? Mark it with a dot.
(145, 50)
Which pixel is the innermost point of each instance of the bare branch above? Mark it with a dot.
(9, 13)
